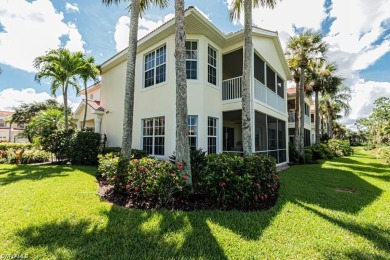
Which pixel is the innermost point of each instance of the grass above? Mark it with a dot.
(336, 209)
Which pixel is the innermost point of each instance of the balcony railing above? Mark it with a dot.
(291, 118)
(231, 88)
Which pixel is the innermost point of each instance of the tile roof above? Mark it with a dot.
(95, 105)
(291, 91)
(6, 113)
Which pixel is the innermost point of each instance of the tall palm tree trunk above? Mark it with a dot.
(246, 86)
(129, 87)
(317, 117)
(86, 104)
(302, 113)
(182, 144)
(329, 112)
(297, 109)
(65, 94)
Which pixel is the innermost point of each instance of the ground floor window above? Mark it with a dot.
(153, 135)
(270, 136)
(306, 137)
(212, 134)
(192, 131)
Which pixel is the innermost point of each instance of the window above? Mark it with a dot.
(270, 79)
(2, 124)
(212, 66)
(91, 96)
(212, 134)
(280, 86)
(155, 67)
(153, 135)
(259, 69)
(192, 131)
(192, 59)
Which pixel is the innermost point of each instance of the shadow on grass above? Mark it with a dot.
(170, 234)
(17, 173)
(378, 236)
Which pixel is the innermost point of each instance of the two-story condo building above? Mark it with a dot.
(214, 77)
(9, 132)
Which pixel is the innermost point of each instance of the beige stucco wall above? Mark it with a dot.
(204, 99)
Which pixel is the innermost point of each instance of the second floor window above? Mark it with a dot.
(192, 59)
(212, 66)
(155, 67)
(2, 124)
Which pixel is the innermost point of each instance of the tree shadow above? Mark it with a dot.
(380, 237)
(17, 173)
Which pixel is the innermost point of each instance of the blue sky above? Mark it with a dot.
(358, 34)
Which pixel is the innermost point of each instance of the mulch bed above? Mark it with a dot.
(192, 202)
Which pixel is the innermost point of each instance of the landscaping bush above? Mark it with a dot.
(321, 151)
(85, 147)
(232, 181)
(340, 148)
(135, 153)
(4, 146)
(147, 179)
(384, 153)
(34, 156)
(308, 155)
(292, 154)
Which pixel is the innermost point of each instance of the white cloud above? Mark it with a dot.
(145, 26)
(31, 29)
(10, 98)
(72, 8)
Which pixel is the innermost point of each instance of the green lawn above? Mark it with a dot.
(54, 212)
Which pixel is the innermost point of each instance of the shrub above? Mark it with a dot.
(339, 147)
(321, 151)
(146, 178)
(85, 147)
(308, 155)
(234, 181)
(34, 156)
(292, 153)
(384, 153)
(135, 153)
(4, 146)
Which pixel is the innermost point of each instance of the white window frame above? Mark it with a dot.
(215, 125)
(154, 67)
(193, 127)
(196, 60)
(209, 47)
(153, 135)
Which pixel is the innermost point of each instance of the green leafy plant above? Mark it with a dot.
(85, 147)
(146, 178)
(237, 182)
(340, 148)
(34, 156)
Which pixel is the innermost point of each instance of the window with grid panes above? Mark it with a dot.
(192, 131)
(192, 59)
(212, 66)
(153, 135)
(155, 67)
(212, 134)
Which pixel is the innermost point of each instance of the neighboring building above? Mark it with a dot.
(94, 110)
(8, 133)
(307, 119)
(214, 78)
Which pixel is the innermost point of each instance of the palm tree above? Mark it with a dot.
(323, 81)
(336, 102)
(305, 48)
(62, 67)
(182, 145)
(293, 65)
(137, 8)
(235, 12)
(90, 71)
